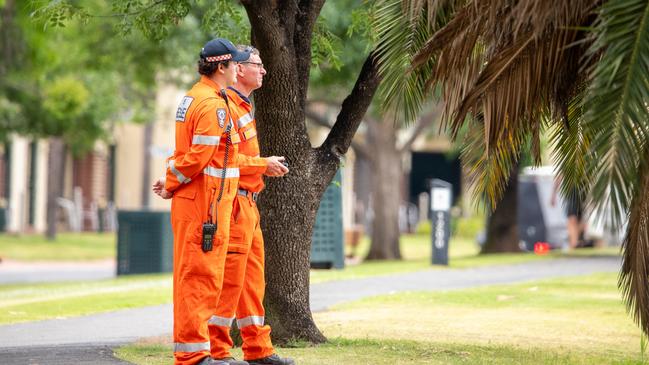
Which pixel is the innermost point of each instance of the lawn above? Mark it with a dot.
(29, 302)
(575, 320)
(66, 247)
(21, 303)
(463, 253)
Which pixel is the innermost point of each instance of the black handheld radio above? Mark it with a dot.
(209, 227)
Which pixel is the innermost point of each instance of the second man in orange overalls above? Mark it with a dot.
(243, 283)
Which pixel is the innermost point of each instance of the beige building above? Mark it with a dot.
(112, 177)
(115, 175)
(24, 181)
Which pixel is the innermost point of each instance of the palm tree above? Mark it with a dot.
(509, 69)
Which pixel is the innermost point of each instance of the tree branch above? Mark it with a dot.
(302, 37)
(326, 102)
(353, 109)
(271, 34)
(318, 118)
(358, 147)
(423, 122)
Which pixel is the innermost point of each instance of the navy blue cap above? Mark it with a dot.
(221, 49)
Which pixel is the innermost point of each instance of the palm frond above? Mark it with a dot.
(403, 27)
(513, 74)
(617, 121)
(489, 167)
(451, 31)
(570, 150)
(617, 104)
(634, 276)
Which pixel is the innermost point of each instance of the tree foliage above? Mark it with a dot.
(77, 78)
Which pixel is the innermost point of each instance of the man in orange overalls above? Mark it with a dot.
(201, 179)
(243, 283)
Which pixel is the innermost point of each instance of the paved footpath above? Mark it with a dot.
(89, 338)
(40, 272)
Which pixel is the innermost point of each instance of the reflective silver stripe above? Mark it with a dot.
(221, 321)
(179, 175)
(191, 347)
(206, 140)
(245, 119)
(213, 171)
(249, 321)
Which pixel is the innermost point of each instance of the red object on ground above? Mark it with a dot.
(541, 248)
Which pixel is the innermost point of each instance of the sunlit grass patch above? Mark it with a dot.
(576, 314)
(66, 247)
(20, 302)
(463, 253)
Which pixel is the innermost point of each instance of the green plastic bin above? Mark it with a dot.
(3, 219)
(327, 248)
(144, 242)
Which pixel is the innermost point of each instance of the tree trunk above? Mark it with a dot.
(502, 224)
(55, 177)
(282, 32)
(146, 168)
(386, 190)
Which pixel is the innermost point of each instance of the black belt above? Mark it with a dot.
(246, 193)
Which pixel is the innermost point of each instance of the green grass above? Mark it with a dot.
(576, 313)
(66, 247)
(20, 303)
(341, 351)
(416, 253)
(576, 320)
(29, 302)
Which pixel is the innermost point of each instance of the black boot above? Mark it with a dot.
(272, 360)
(227, 361)
(232, 361)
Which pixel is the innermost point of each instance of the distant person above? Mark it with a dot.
(573, 207)
(201, 178)
(243, 282)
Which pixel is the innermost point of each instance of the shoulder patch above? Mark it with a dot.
(220, 115)
(181, 113)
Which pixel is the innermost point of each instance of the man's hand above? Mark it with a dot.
(159, 189)
(275, 167)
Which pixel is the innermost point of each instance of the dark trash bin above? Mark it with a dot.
(3, 219)
(144, 242)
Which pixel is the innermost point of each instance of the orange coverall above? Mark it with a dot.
(194, 176)
(243, 283)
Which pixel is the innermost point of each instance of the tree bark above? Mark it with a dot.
(146, 168)
(386, 190)
(55, 177)
(502, 224)
(282, 32)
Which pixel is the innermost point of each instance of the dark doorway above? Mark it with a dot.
(434, 165)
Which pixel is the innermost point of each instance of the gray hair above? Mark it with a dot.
(251, 49)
